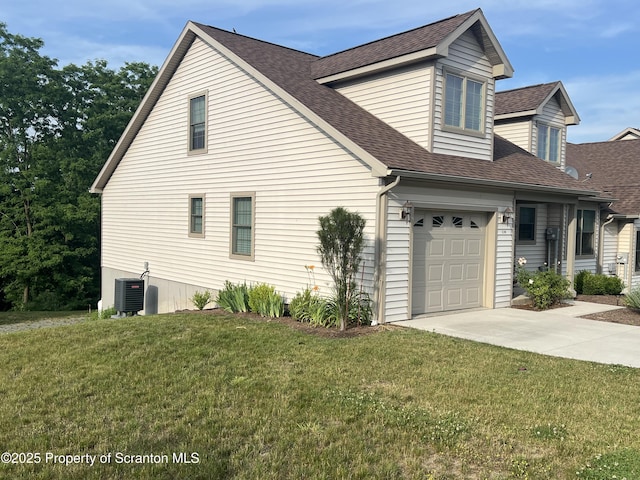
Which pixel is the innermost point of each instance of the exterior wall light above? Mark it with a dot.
(407, 211)
(507, 217)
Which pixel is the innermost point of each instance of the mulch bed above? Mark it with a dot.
(333, 332)
(625, 316)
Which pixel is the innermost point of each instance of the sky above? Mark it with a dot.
(590, 45)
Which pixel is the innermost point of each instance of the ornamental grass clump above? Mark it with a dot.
(632, 299)
(544, 288)
(233, 298)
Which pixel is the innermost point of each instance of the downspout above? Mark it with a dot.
(381, 249)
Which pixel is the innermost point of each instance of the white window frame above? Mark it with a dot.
(192, 232)
(462, 105)
(190, 130)
(234, 227)
(544, 149)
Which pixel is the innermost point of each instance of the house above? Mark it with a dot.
(240, 145)
(627, 134)
(536, 118)
(612, 167)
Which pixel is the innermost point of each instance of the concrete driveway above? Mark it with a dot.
(558, 332)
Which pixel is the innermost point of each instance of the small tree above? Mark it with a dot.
(341, 243)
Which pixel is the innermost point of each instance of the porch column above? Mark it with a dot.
(571, 242)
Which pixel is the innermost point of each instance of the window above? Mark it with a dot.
(464, 103)
(549, 143)
(242, 226)
(198, 123)
(526, 224)
(637, 250)
(196, 215)
(585, 229)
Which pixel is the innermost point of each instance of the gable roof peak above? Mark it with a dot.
(427, 42)
(530, 100)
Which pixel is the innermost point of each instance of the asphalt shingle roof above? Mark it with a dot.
(523, 99)
(615, 169)
(390, 47)
(291, 70)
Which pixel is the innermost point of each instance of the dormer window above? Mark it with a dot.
(548, 143)
(464, 103)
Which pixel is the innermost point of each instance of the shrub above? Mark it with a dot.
(233, 298)
(201, 299)
(545, 288)
(341, 237)
(578, 280)
(265, 301)
(632, 299)
(600, 284)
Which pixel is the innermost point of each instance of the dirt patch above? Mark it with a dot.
(333, 332)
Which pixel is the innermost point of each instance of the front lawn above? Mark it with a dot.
(252, 399)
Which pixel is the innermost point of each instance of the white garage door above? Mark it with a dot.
(448, 261)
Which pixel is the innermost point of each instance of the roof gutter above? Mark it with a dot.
(492, 183)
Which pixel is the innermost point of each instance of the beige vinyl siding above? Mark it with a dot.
(518, 132)
(398, 97)
(429, 197)
(635, 276)
(625, 245)
(465, 58)
(504, 266)
(255, 143)
(610, 248)
(552, 115)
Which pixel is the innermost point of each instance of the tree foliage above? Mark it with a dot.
(57, 128)
(341, 237)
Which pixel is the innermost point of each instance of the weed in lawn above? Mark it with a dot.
(619, 464)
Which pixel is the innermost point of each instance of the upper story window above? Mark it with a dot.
(198, 123)
(548, 143)
(463, 103)
(585, 232)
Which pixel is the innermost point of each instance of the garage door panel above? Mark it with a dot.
(474, 247)
(436, 247)
(473, 272)
(435, 273)
(456, 272)
(457, 247)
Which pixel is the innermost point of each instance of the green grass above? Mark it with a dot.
(257, 400)
(8, 318)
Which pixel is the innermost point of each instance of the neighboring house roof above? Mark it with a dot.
(627, 134)
(611, 167)
(529, 101)
(288, 74)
